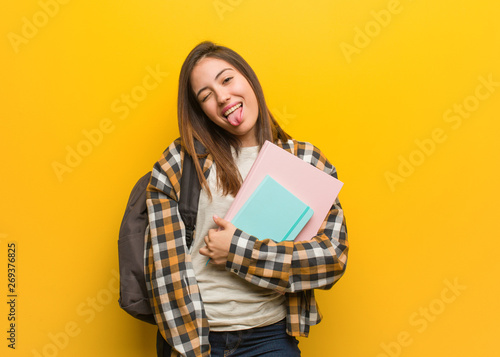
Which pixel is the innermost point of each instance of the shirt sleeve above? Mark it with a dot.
(295, 266)
(172, 287)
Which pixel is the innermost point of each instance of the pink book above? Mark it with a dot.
(312, 186)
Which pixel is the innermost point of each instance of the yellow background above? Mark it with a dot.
(363, 86)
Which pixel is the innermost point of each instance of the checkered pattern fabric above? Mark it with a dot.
(294, 269)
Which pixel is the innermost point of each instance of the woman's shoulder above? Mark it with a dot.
(166, 171)
(172, 154)
(307, 152)
(299, 148)
(168, 166)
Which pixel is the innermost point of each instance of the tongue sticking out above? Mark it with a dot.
(235, 117)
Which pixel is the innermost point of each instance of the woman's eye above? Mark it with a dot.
(205, 98)
(227, 79)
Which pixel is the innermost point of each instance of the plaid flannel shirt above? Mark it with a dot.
(294, 269)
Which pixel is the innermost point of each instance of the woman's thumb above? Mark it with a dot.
(221, 222)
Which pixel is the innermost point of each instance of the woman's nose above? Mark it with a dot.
(223, 96)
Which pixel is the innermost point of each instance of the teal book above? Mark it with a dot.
(272, 212)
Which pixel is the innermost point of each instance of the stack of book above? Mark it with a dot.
(283, 197)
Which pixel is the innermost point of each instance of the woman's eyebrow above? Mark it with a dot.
(217, 76)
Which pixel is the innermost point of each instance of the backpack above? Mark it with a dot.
(133, 292)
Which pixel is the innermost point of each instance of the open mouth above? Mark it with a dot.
(234, 115)
(232, 109)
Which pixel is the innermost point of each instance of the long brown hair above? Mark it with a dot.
(194, 124)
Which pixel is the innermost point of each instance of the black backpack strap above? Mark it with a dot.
(190, 193)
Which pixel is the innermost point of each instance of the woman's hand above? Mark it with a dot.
(218, 241)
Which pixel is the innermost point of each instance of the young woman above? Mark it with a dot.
(254, 296)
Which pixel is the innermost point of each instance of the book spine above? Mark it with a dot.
(299, 220)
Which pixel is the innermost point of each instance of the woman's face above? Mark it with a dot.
(226, 97)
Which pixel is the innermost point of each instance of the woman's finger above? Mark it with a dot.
(205, 251)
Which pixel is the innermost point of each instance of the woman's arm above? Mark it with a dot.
(172, 287)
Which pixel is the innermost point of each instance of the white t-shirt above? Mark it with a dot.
(231, 303)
